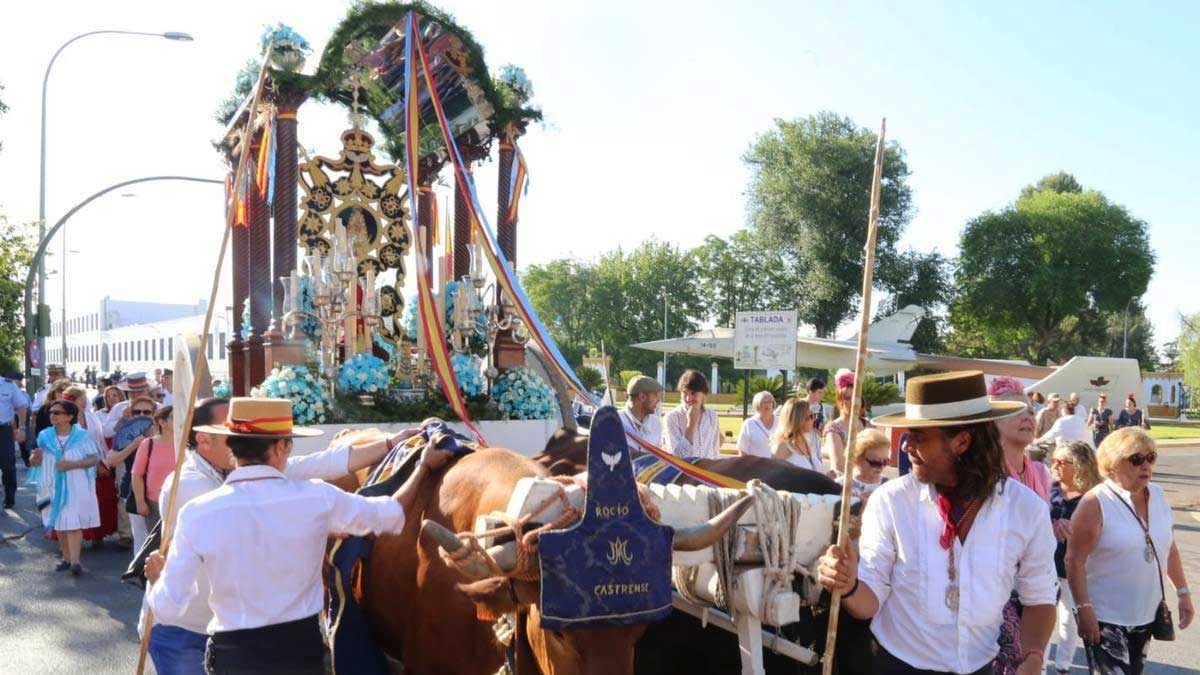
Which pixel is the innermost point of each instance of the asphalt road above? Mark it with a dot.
(53, 623)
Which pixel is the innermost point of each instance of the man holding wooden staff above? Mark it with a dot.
(177, 644)
(943, 548)
(260, 541)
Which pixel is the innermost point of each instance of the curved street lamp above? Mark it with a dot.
(171, 35)
(36, 261)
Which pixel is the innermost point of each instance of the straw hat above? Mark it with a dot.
(135, 382)
(259, 418)
(948, 399)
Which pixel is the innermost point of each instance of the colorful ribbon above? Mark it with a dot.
(518, 183)
(506, 277)
(428, 313)
(280, 426)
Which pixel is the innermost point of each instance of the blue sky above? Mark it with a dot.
(649, 109)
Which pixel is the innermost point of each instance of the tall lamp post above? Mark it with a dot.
(36, 262)
(665, 296)
(1125, 331)
(41, 269)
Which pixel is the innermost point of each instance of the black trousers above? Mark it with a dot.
(887, 664)
(292, 648)
(8, 463)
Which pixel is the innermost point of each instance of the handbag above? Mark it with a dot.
(130, 499)
(1163, 627)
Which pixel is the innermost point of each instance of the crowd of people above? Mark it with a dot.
(1068, 523)
(982, 558)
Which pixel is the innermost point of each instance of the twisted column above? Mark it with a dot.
(259, 276)
(506, 230)
(240, 259)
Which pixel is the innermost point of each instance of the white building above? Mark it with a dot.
(1163, 391)
(135, 336)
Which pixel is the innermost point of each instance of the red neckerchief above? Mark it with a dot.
(954, 512)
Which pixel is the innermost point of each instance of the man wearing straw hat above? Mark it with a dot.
(259, 539)
(943, 548)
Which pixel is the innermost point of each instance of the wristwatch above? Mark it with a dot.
(1080, 606)
(1182, 591)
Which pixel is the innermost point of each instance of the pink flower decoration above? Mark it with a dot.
(1002, 386)
(844, 379)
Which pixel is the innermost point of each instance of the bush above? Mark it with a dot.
(875, 392)
(625, 376)
(761, 383)
(591, 378)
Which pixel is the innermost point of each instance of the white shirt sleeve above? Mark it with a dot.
(354, 514)
(1037, 578)
(331, 463)
(743, 439)
(176, 587)
(877, 548)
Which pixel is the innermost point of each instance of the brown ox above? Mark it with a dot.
(423, 614)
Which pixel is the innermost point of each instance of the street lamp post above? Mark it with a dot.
(665, 297)
(41, 267)
(35, 262)
(1125, 331)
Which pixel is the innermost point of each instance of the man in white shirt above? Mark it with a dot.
(640, 414)
(177, 644)
(814, 394)
(943, 548)
(135, 386)
(54, 373)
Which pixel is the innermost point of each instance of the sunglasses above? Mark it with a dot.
(1140, 459)
(1059, 461)
(141, 412)
(875, 463)
(59, 412)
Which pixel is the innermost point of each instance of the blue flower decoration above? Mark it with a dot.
(221, 390)
(310, 400)
(521, 394)
(409, 320)
(468, 370)
(363, 373)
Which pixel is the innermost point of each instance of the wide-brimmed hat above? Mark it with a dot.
(134, 382)
(259, 418)
(948, 399)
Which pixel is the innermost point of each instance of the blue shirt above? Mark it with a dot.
(11, 398)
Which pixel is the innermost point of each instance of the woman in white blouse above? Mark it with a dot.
(794, 440)
(692, 430)
(1121, 546)
(755, 435)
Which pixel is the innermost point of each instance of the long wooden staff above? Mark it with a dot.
(201, 366)
(860, 364)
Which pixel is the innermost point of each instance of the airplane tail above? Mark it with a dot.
(896, 328)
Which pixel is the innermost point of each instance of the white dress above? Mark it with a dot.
(81, 509)
(811, 462)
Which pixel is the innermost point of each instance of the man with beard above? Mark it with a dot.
(943, 547)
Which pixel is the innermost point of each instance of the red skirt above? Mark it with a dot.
(106, 497)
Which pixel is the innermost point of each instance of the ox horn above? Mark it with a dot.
(702, 536)
(473, 567)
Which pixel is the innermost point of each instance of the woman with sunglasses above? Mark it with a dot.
(1075, 472)
(68, 458)
(872, 452)
(794, 440)
(154, 461)
(1121, 546)
(121, 461)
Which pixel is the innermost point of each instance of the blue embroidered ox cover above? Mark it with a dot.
(614, 565)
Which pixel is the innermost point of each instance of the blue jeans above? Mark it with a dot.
(177, 651)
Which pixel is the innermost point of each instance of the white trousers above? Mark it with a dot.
(138, 524)
(1065, 634)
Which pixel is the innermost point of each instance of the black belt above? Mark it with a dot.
(292, 647)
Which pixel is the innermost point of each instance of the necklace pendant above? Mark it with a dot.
(952, 598)
(1148, 554)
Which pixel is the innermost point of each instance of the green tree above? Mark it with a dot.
(920, 279)
(590, 377)
(560, 293)
(16, 250)
(1039, 278)
(1141, 336)
(809, 196)
(742, 274)
(1188, 350)
(1061, 183)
